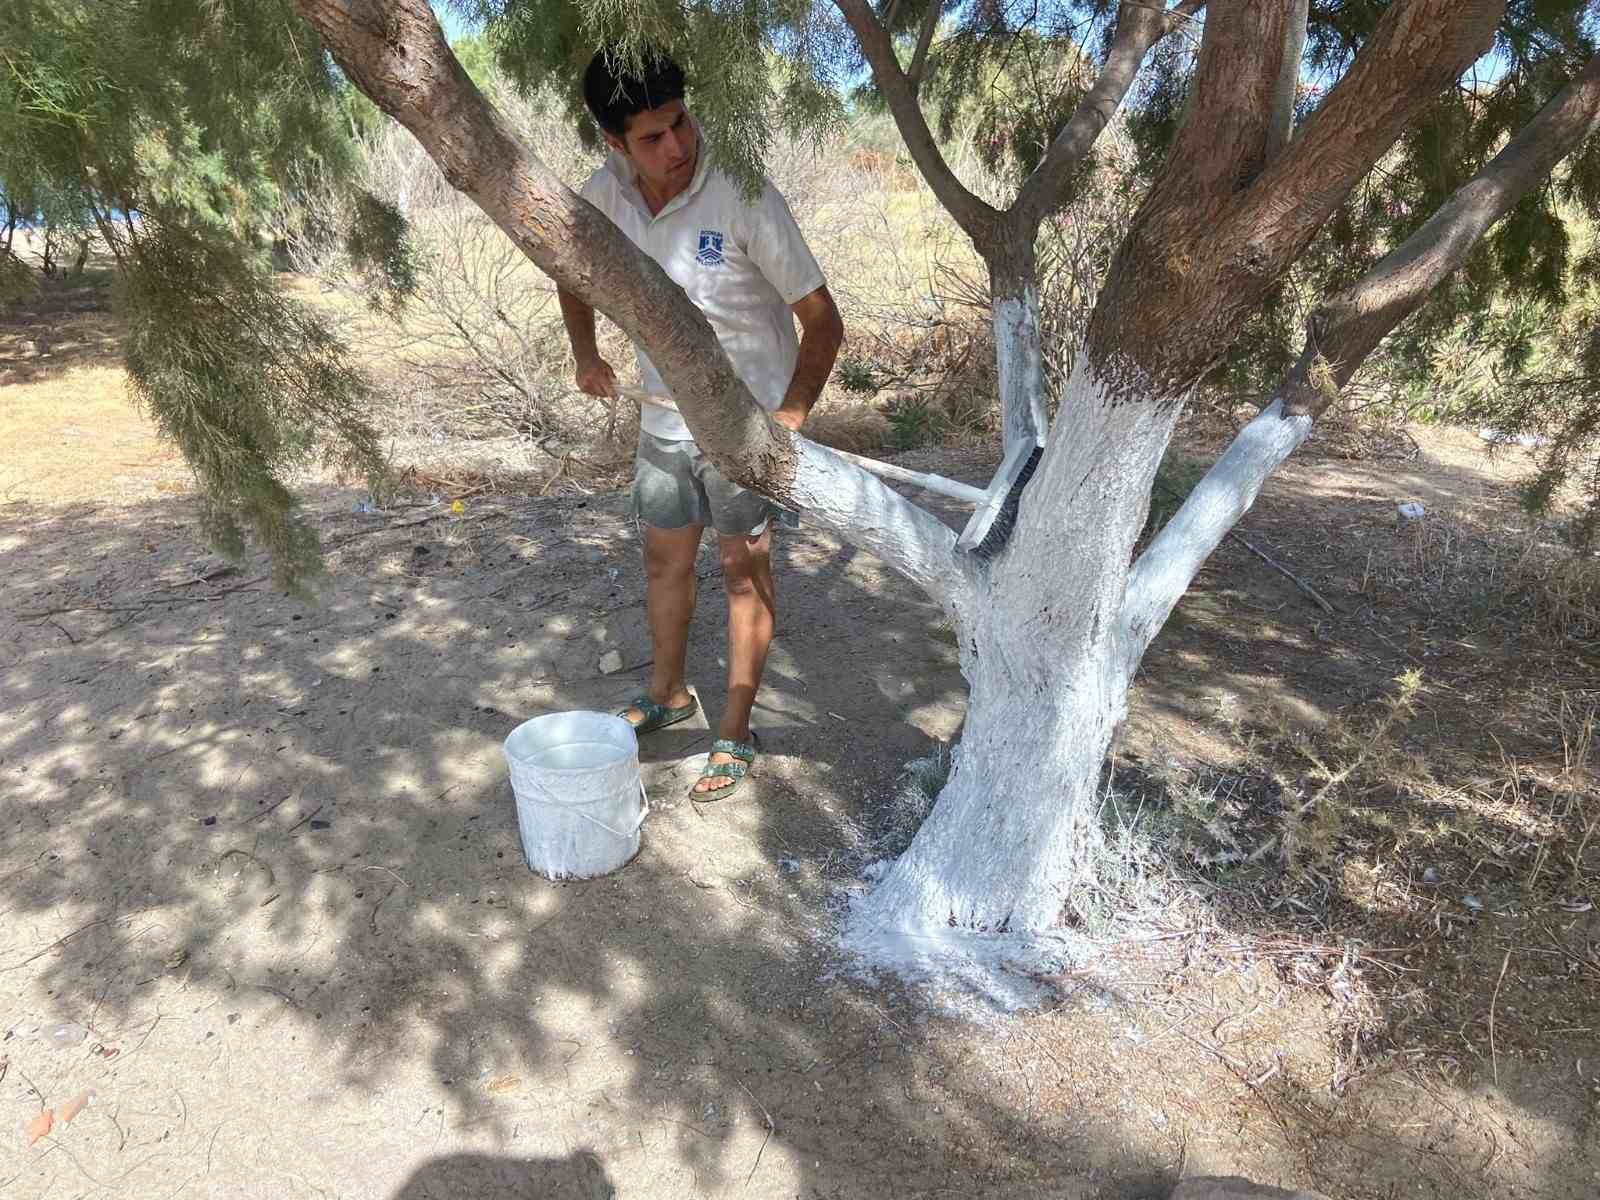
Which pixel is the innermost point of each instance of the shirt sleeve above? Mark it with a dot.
(779, 250)
(593, 189)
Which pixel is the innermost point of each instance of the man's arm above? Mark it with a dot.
(821, 335)
(594, 373)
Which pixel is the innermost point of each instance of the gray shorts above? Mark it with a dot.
(675, 485)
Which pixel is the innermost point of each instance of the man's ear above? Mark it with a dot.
(615, 142)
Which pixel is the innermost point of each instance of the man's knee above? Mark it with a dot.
(746, 564)
(670, 558)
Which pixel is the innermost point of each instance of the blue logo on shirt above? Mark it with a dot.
(710, 252)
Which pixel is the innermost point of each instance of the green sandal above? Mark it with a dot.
(744, 752)
(657, 716)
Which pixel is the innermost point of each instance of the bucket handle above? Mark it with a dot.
(644, 811)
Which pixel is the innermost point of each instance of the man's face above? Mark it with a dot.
(661, 144)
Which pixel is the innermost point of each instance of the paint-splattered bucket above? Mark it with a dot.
(580, 801)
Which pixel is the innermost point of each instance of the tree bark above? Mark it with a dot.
(1342, 333)
(976, 218)
(1217, 231)
(396, 54)
(1014, 828)
(1019, 355)
(1281, 125)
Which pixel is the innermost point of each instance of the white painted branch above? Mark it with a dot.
(1288, 83)
(873, 517)
(832, 489)
(1170, 563)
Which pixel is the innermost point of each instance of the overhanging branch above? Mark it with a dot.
(395, 52)
(1139, 27)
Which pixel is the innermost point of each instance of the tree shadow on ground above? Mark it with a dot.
(65, 324)
(579, 1176)
(266, 856)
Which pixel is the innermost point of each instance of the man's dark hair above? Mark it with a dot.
(614, 95)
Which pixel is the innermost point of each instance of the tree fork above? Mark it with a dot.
(1341, 334)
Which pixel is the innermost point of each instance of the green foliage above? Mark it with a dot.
(857, 375)
(377, 244)
(250, 385)
(754, 66)
(177, 132)
(17, 282)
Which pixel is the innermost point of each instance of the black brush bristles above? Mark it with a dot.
(1005, 520)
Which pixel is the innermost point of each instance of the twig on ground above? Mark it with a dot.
(373, 920)
(1494, 1057)
(63, 941)
(767, 1117)
(303, 819)
(1305, 588)
(265, 810)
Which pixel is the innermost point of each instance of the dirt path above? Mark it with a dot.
(265, 856)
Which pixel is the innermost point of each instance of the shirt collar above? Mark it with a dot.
(625, 173)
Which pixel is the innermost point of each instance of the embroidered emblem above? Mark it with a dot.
(710, 252)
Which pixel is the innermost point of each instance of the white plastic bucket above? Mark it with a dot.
(580, 801)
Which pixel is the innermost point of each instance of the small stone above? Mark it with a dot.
(1411, 512)
(610, 662)
(208, 821)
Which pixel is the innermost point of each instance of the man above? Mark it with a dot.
(747, 268)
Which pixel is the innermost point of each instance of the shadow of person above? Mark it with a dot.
(579, 1176)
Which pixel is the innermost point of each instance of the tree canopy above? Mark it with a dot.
(176, 131)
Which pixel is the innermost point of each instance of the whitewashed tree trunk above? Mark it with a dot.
(1019, 355)
(1044, 651)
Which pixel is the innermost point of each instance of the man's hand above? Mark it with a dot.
(596, 378)
(789, 418)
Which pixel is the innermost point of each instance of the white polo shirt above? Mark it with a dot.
(742, 265)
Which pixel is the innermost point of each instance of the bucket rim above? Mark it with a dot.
(630, 751)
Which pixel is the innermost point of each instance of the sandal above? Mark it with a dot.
(657, 716)
(745, 755)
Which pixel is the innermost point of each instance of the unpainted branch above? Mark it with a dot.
(1139, 27)
(1348, 327)
(975, 216)
(1343, 333)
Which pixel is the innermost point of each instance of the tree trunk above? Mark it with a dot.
(1045, 656)
(1014, 298)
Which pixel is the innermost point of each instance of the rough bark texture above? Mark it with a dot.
(395, 52)
(1349, 327)
(1288, 83)
(1343, 332)
(1217, 230)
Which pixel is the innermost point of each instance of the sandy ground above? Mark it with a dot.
(261, 894)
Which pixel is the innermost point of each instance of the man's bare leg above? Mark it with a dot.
(752, 606)
(669, 606)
